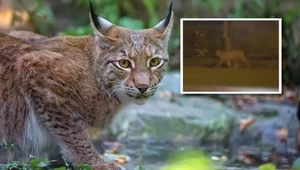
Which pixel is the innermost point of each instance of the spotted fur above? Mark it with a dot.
(53, 89)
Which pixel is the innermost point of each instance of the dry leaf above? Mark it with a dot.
(282, 134)
(121, 160)
(114, 150)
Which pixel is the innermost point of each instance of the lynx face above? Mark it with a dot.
(131, 62)
(136, 70)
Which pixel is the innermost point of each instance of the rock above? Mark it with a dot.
(116, 157)
(275, 126)
(187, 119)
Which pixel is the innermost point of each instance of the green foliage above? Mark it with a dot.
(78, 31)
(131, 23)
(189, 160)
(38, 163)
(110, 10)
(41, 15)
(14, 165)
(150, 6)
(268, 166)
(83, 167)
(34, 163)
(61, 168)
(215, 5)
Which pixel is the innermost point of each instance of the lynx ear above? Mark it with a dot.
(102, 27)
(164, 27)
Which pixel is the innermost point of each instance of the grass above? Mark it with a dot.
(267, 78)
(35, 163)
(203, 76)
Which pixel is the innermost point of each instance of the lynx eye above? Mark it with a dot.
(125, 63)
(155, 62)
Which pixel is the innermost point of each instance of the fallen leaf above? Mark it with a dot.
(114, 150)
(282, 134)
(245, 123)
(121, 160)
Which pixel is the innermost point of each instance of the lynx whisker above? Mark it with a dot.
(115, 90)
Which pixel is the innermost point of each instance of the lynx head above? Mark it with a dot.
(131, 63)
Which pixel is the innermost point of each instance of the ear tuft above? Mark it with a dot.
(168, 18)
(101, 26)
(164, 27)
(94, 17)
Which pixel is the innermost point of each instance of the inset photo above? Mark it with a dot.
(230, 56)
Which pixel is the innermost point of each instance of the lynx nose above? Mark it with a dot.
(142, 87)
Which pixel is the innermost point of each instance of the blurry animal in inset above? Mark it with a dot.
(234, 58)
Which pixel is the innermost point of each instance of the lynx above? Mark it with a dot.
(227, 57)
(53, 89)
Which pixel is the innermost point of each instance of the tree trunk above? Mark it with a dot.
(226, 38)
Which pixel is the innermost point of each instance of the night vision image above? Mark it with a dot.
(231, 56)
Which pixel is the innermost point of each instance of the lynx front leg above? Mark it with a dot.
(236, 64)
(71, 133)
(61, 118)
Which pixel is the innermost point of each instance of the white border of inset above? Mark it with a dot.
(230, 19)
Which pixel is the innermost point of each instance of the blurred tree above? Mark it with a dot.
(226, 38)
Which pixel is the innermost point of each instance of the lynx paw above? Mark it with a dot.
(108, 166)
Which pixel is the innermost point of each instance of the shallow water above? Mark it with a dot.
(153, 153)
